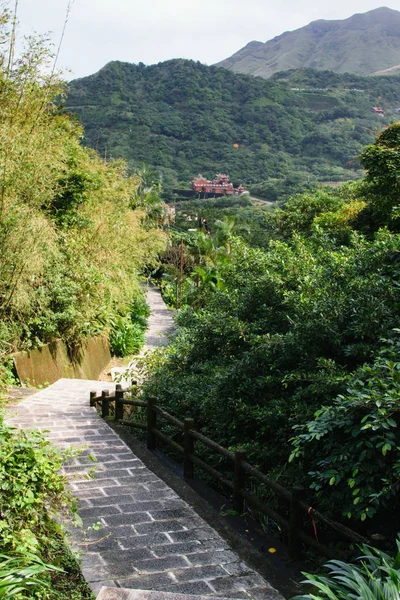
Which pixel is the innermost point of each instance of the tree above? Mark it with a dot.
(382, 161)
(71, 246)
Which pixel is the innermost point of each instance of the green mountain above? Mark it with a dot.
(184, 117)
(364, 44)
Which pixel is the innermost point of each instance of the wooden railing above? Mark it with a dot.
(297, 508)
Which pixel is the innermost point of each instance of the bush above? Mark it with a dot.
(126, 337)
(31, 488)
(35, 560)
(352, 446)
(140, 311)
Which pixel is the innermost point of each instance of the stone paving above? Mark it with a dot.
(149, 538)
(160, 325)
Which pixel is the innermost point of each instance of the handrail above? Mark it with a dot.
(208, 469)
(279, 489)
(163, 413)
(298, 507)
(205, 440)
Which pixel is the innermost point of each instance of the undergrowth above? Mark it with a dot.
(35, 560)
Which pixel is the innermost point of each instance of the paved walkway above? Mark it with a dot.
(149, 538)
(160, 323)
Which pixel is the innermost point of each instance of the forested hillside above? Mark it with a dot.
(183, 118)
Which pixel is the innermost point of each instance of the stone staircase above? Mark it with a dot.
(145, 536)
(147, 543)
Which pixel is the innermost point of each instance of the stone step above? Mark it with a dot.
(108, 593)
(137, 533)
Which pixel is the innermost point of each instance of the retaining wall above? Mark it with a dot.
(52, 362)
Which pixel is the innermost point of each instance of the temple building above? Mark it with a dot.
(219, 185)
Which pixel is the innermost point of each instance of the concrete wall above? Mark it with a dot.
(52, 362)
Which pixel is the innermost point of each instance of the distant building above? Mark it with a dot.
(378, 111)
(219, 185)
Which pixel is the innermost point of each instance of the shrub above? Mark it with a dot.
(140, 311)
(31, 488)
(126, 337)
(352, 446)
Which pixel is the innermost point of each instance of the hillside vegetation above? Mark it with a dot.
(291, 352)
(183, 118)
(73, 230)
(75, 233)
(364, 44)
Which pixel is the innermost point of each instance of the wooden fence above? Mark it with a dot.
(298, 510)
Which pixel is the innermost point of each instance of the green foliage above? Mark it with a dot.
(31, 488)
(73, 234)
(353, 445)
(126, 337)
(183, 118)
(382, 161)
(279, 335)
(22, 574)
(192, 264)
(249, 217)
(276, 188)
(300, 211)
(140, 311)
(68, 581)
(7, 376)
(128, 331)
(36, 561)
(261, 352)
(377, 576)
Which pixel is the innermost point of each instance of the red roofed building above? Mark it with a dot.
(219, 185)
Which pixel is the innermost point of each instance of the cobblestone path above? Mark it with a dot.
(149, 538)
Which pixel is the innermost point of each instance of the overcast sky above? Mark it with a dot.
(151, 31)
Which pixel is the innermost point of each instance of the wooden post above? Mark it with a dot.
(105, 405)
(295, 523)
(119, 407)
(151, 423)
(239, 480)
(93, 396)
(188, 447)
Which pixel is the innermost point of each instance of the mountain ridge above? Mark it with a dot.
(363, 44)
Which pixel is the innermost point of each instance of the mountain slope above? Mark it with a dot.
(363, 44)
(184, 118)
